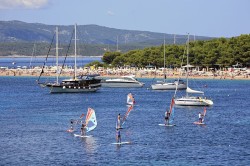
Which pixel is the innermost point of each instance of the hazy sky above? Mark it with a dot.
(215, 18)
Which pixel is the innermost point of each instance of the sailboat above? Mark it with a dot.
(130, 99)
(190, 100)
(90, 122)
(163, 85)
(77, 84)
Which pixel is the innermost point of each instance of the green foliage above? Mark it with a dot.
(221, 51)
(96, 64)
(108, 57)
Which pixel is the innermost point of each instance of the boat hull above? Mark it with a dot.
(193, 102)
(168, 86)
(73, 89)
(121, 85)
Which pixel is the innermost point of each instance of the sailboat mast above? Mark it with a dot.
(187, 61)
(33, 52)
(164, 52)
(57, 56)
(75, 53)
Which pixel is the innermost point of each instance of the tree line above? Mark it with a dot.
(220, 52)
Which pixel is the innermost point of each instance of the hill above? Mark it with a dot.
(91, 36)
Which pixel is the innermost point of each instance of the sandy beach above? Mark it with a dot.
(138, 73)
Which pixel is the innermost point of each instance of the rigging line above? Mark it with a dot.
(67, 52)
(46, 57)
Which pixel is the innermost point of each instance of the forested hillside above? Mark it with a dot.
(18, 38)
(217, 52)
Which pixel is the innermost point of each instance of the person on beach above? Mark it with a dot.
(118, 135)
(83, 129)
(167, 116)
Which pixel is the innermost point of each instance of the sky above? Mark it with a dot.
(213, 18)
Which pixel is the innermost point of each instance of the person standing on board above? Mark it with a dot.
(167, 116)
(200, 117)
(71, 124)
(83, 129)
(119, 121)
(118, 135)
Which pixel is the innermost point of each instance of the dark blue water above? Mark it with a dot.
(39, 61)
(34, 124)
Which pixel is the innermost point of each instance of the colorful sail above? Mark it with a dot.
(171, 106)
(127, 114)
(90, 121)
(204, 114)
(130, 99)
(171, 111)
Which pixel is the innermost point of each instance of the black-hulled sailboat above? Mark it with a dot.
(77, 84)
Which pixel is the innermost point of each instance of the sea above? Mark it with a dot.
(30, 62)
(34, 124)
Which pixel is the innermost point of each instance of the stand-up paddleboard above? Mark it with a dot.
(82, 136)
(120, 143)
(167, 125)
(70, 130)
(199, 123)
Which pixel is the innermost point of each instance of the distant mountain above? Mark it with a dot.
(17, 31)
(18, 38)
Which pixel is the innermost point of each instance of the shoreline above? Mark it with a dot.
(107, 73)
(44, 56)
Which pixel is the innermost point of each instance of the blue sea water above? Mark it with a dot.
(39, 61)
(34, 124)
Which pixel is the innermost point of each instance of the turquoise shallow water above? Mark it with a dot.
(33, 125)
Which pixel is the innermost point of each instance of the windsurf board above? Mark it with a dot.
(167, 125)
(82, 136)
(120, 143)
(199, 123)
(70, 130)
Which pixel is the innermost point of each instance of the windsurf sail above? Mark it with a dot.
(90, 121)
(204, 114)
(171, 111)
(127, 114)
(130, 99)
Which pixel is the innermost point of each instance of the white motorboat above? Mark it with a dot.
(122, 82)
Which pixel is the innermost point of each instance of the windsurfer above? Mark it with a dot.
(118, 135)
(83, 129)
(133, 99)
(71, 124)
(119, 121)
(167, 116)
(200, 117)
